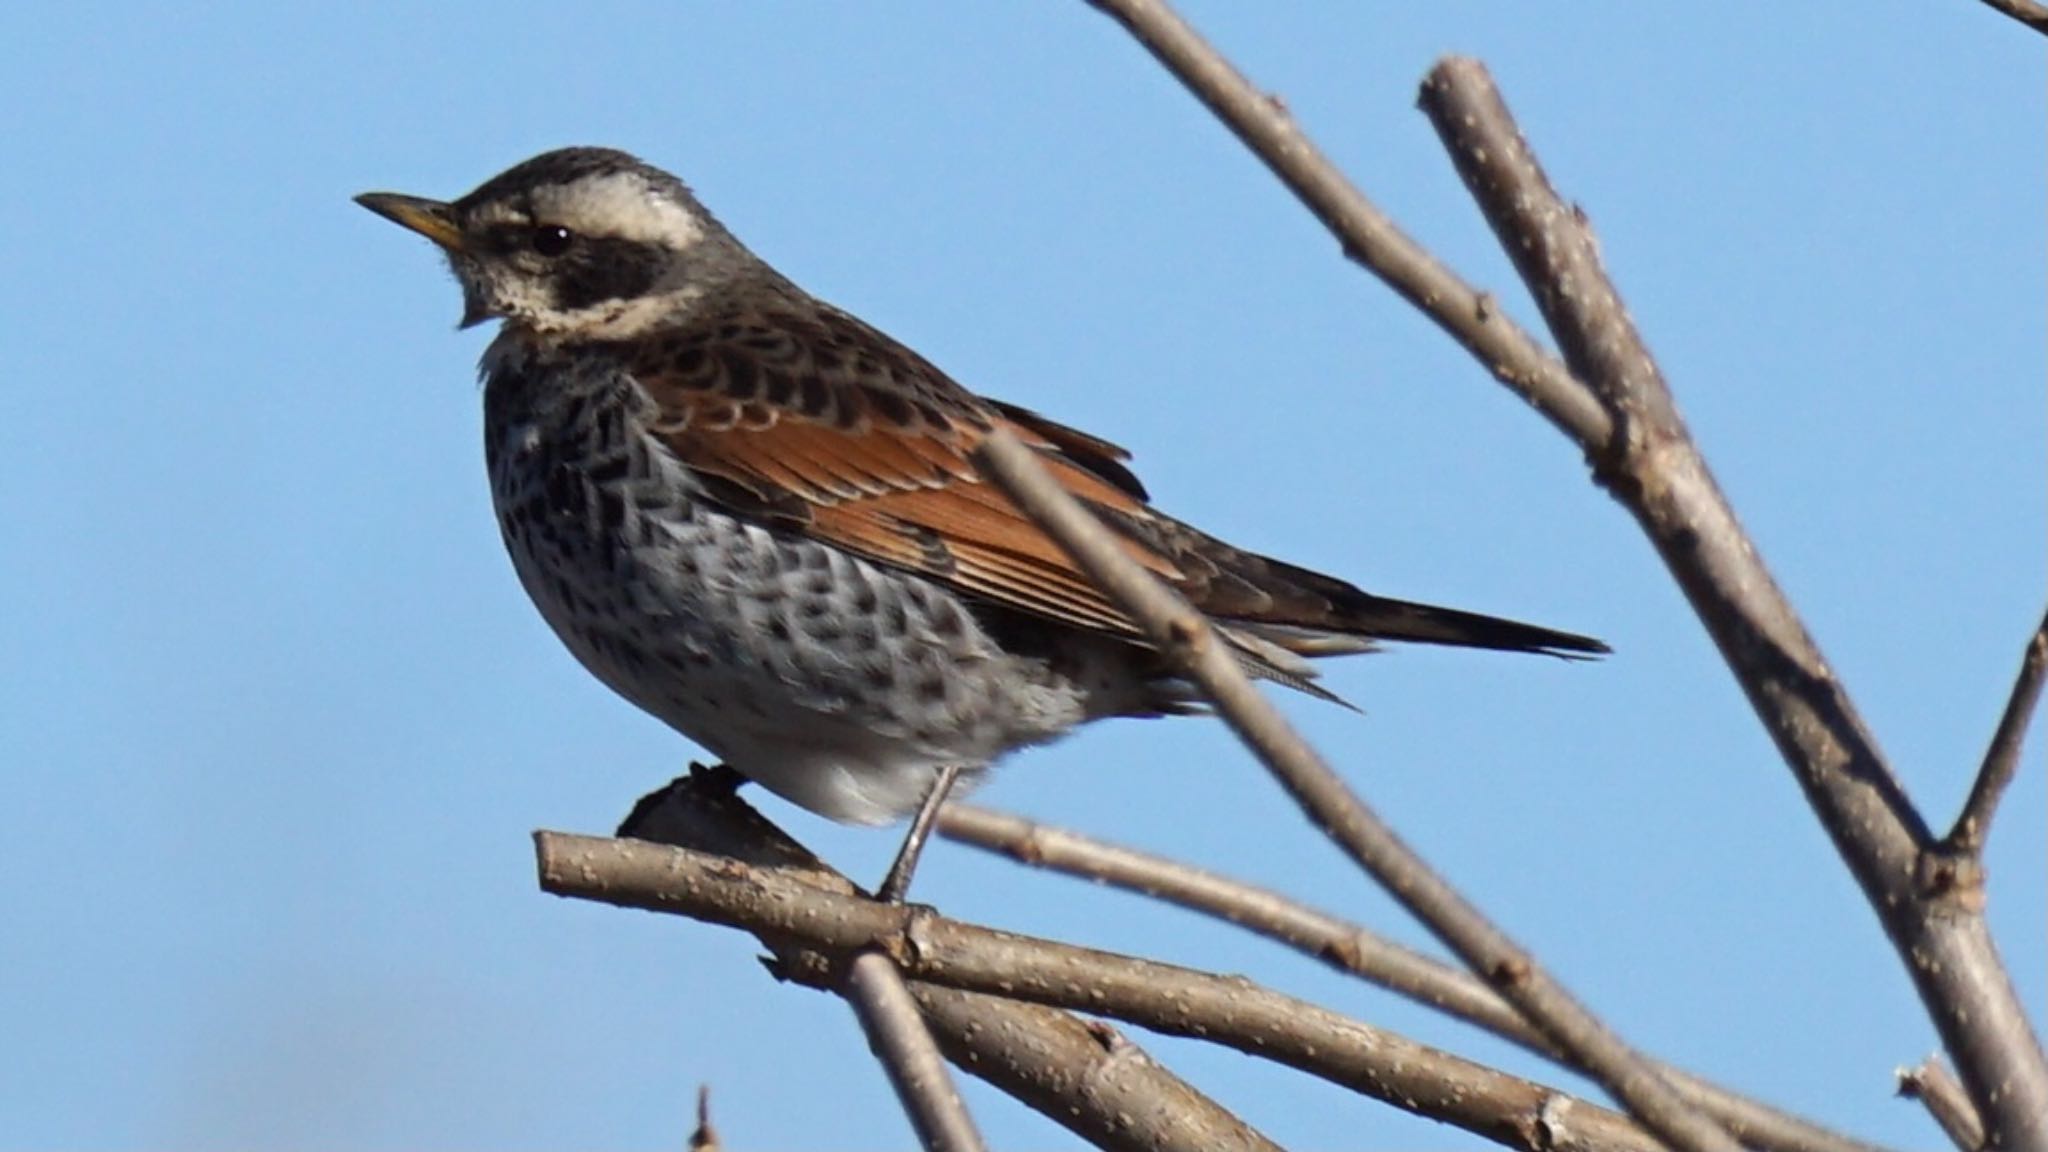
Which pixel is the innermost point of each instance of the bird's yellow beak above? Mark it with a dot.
(430, 218)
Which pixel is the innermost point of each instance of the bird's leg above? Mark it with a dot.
(897, 882)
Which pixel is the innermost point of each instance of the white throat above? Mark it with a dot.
(620, 319)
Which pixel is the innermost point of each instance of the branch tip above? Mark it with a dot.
(2002, 758)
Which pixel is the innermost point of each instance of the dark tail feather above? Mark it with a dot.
(1359, 621)
(1282, 612)
(1333, 613)
(1386, 619)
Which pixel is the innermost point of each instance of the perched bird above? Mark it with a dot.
(754, 516)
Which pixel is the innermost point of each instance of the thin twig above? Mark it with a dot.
(825, 929)
(1348, 947)
(1369, 237)
(2026, 12)
(2002, 759)
(1653, 467)
(1933, 1086)
(1343, 945)
(1076, 1073)
(1192, 648)
(897, 1034)
(705, 1137)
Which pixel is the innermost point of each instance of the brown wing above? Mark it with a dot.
(806, 417)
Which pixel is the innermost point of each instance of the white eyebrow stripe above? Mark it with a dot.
(620, 204)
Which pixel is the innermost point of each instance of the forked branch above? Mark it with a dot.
(2002, 759)
(1349, 947)
(814, 931)
(1930, 1084)
(1614, 404)
(1188, 643)
(1653, 467)
(1367, 234)
(1076, 1073)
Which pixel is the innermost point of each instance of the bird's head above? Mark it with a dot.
(580, 243)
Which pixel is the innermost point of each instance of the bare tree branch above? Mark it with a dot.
(1341, 944)
(1931, 1084)
(1650, 465)
(818, 930)
(1191, 647)
(1368, 236)
(1351, 948)
(2027, 12)
(897, 1034)
(1082, 1074)
(702, 808)
(2002, 759)
(1076, 1073)
(1653, 468)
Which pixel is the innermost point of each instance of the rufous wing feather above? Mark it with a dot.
(810, 420)
(870, 444)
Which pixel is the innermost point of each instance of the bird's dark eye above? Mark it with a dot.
(551, 239)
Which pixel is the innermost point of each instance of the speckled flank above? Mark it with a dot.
(841, 685)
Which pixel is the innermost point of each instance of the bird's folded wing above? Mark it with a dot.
(816, 424)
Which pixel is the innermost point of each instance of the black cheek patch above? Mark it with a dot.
(597, 270)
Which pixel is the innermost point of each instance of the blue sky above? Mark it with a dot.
(277, 719)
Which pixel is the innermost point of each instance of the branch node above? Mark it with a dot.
(1029, 849)
(909, 945)
(1186, 635)
(2002, 759)
(1949, 877)
(1550, 1127)
(1936, 1089)
(1341, 952)
(1107, 1035)
(1508, 971)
